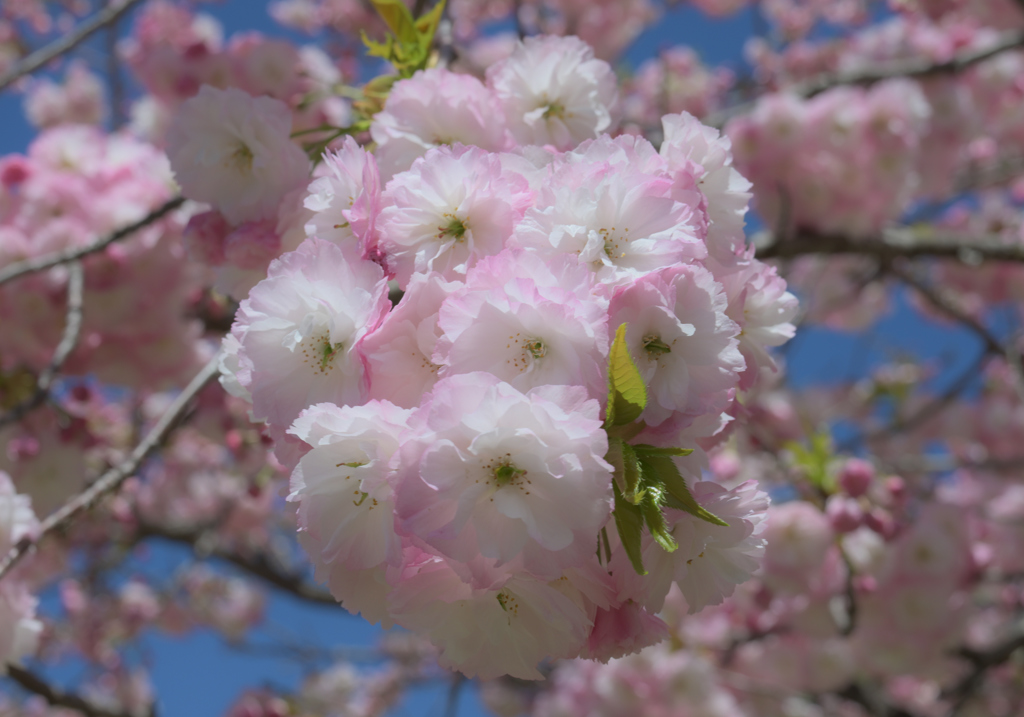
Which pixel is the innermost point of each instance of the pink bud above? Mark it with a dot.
(233, 440)
(897, 488)
(844, 513)
(856, 476)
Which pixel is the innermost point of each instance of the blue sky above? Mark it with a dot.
(199, 675)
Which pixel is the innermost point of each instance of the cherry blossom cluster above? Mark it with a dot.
(73, 187)
(451, 452)
(502, 356)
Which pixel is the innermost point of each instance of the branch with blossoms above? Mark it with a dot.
(890, 244)
(257, 564)
(112, 479)
(67, 42)
(72, 327)
(32, 682)
(47, 261)
(913, 68)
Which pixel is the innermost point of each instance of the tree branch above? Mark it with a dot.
(992, 343)
(257, 564)
(981, 662)
(58, 698)
(913, 68)
(72, 327)
(113, 478)
(893, 243)
(66, 43)
(29, 266)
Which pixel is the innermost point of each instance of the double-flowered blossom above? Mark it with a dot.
(488, 471)
(298, 333)
(554, 91)
(454, 464)
(432, 108)
(234, 151)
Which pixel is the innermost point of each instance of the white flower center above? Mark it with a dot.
(615, 242)
(241, 159)
(526, 350)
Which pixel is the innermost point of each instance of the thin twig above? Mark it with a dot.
(257, 564)
(72, 328)
(66, 43)
(928, 411)
(39, 263)
(451, 708)
(114, 477)
(914, 68)
(893, 243)
(1007, 351)
(517, 7)
(58, 698)
(948, 307)
(114, 79)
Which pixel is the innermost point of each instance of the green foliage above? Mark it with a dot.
(629, 521)
(815, 461)
(627, 395)
(645, 479)
(408, 45)
(662, 469)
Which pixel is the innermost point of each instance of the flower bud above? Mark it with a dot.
(856, 476)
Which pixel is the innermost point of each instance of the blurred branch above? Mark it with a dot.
(66, 43)
(1012, 40)
(57, 698)
(893, 243)
(929, 410)
(113, 478)
(993, 345)
(39, 263)
(914, 68)
(981, 662)
(259, 565)
(872, 702)
(72, 327)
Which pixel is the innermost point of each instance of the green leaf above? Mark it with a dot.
(629, 521)
(815, 461)
(426, 25)
(655, 519)
(399, 20)
(661, 470)
(642, 449)
(627, 395)
(383, 50)
(630, 474)
(617, 460)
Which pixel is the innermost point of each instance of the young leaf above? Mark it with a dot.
(630, 474)
(629, 521)
(617, 460)
(399, 20)
(661, 470)
(655, 519)
(426, 25)
(627, 395)
(642, 449)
